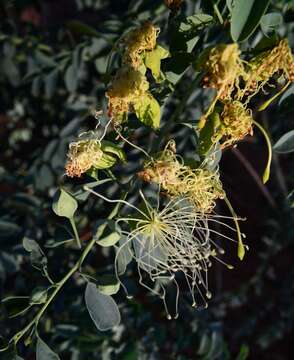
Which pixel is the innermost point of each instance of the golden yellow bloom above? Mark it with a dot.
(223, 67)
(236, 123)
(201, 186)
(265, 65)
(82, 156)
(137, 41)
(127, 87)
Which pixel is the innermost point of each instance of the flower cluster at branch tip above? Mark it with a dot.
(137, 41)
(201, 186)
(82, 155)
(265, 65)
(128, 87)
(128, 91)
(223, 67)
(236, 123)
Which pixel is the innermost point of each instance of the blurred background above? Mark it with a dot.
(52, 78)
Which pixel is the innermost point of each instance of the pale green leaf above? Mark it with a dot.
(246, 16)
(43, 352)
(285, 144)
(108, 284)
(64, 204)
(102, 308)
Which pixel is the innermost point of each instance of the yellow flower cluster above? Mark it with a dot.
(265, 65)
(82, 155)
(200, 186)
(223, 68)
(137, 42)
(236, 123)
(237, 81)
(128, 86)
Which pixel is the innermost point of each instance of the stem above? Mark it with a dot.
(266, 173)
(60, 284)
(241, 247)
(178, 111)
(73, 225)
(217, 13)
(268, 102)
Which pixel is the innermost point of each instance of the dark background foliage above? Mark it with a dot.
(52, 78)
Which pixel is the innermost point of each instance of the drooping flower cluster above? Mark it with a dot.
(128, 91)
(82, 155)
(236, 123)
(223, 69)
(228, 119)
(137, 41)
(264, 66)
(201, 186)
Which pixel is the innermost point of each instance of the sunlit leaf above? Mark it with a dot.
(108, 284)
(64, 204)
(148, 111)
(153, 60)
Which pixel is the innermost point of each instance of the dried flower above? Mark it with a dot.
(201, 186)
(266, 64)
(128, 86)
(236, 123)
(137, 41)
(223, 68)
(82, 155)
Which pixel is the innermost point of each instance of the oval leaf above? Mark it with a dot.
(246, 16)
(148, 111)
(285, 144)
(64, 204)
(102, 308)
(110, 239)
(44, 352)
(108, 284)
(270, 22)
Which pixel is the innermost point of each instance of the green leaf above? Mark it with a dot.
(244, 353)
(270, 22)
(184, 35)
(38, 296)
(148, 111)
(108, 284)
(109, 147)
(64, 204)
(123, 255)
(246, 16)
(43, 352)
(106, 161)
(102, 308)
(109, 240)
(153, 60)
(80, 28)
(207, 133)
(285, 144)
(175, 67)
(37, 257)
(71, 78)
